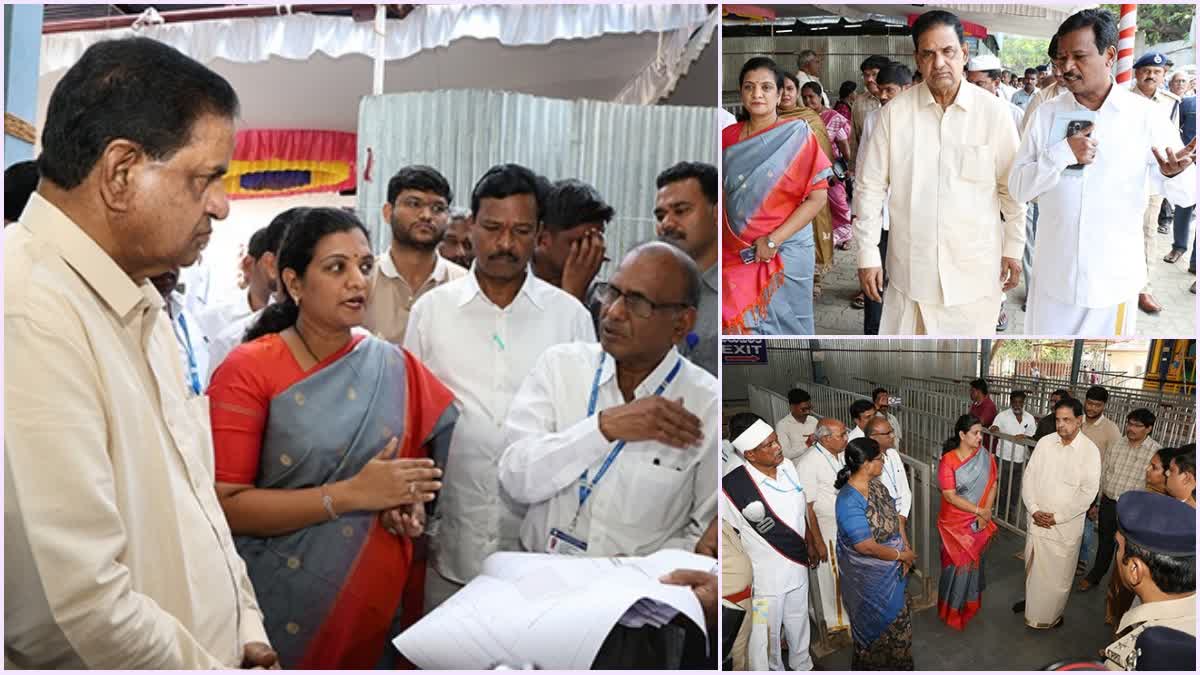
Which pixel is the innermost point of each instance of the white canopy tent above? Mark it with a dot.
(308, 71)
(1028, 19)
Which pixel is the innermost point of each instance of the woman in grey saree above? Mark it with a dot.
(323, 440)
(967, 479)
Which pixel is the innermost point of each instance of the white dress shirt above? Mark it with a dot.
(216, 318)
(193, 343)
(483, 353)
(1089, 249)
(773, 573)
(1006, 92)
(653, 496)
(229, 338)
(793, 435)
(1021, 99)
(730, 457)
(1008, 423)
(818, 470)
(944, 176)
(869, 124)
(895, 479)
(855, 432)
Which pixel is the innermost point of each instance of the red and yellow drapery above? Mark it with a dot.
(277, 162)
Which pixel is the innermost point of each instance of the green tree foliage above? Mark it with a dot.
(1019, 53)
(1161, 23)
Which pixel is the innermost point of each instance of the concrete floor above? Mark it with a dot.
(997, 639)
(835, 316)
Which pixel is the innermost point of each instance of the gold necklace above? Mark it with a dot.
(305, 343)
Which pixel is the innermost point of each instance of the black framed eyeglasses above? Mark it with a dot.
(637, 304)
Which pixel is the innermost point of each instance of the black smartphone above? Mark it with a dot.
(748, 255)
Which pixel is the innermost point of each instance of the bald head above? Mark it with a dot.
(879, 430)
(680, 278)
(651, 304)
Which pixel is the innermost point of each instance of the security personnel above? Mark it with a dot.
(1162, 648)
(1156, 558)
(1149, 73)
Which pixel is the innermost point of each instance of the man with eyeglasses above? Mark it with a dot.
(613, 446)
(818, 470)
(481, 335)
(1123, 465)
(894, 477)
(418, 210)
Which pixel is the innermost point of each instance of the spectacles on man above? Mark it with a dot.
(637, 304)
(889, 432)
(439, 208)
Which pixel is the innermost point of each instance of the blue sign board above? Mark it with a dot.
(743, 352)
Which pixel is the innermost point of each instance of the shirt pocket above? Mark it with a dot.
(976, 163)
(653, 495)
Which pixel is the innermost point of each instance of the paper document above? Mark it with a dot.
(549, 611)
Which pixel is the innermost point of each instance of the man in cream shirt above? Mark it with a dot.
(797, 427)
(117, 554)
(629, 468)
(1089, 261)
(940, 157)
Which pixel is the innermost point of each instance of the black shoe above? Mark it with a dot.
(1019, 607)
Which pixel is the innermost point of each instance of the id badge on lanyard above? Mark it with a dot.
(567, 541)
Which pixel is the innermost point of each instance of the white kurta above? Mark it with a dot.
(818, 470)
(952, 217)
(1089, 252)
(793, 435)
(780, 585)
(1062, 480)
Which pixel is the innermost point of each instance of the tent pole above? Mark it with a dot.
(380, 42)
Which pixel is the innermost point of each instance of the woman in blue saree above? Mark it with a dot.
(875, 557)
(323, 439)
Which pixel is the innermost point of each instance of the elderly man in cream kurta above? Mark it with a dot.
(940, 158)
(1060, 482)
(817, 470)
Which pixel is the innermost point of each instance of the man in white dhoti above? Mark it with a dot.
(765, 501)
(944, 150)
(797, 427)
(1092, 187)
(1060, 482)
(818, 471)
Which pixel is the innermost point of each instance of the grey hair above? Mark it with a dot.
(823, 432)
(807, 56)
(459, 213)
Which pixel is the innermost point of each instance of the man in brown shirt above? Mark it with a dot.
(117, 554)
(418, 210)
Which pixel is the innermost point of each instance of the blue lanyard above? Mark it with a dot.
(891, 473)
(825, 453)
(796, 487)
(585, 488)
(193, 369)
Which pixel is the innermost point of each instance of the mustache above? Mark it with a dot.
(503, 255)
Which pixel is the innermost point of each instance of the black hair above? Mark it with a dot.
(419, 177)
(1185, 459)
(877, 391)
(272, 234)
(137, 89)
(1096, 393)
(258, 244)
(739, 423)
(571, 203)
(761, 63)
(1142, 415)
(858, 452)
(980, 384)
(932, 19)
(1072, 403)
(705, 174)
(795, 80)
(1102, 23)
(1017, 393)
(894, 73)
(992, 74)
(296, 253)
(1062, 393)
(859, 407)
(874, 61)
(846, 89)
(20, 182)
(506, 180)
(1172, 574)
(1165, 455)
(813, 87)
(961, 426)
(1031, 70)
(797, 396)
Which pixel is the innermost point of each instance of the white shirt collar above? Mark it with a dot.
(533, 289)
(655, 378)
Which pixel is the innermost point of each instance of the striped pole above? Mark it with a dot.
(1127, 26)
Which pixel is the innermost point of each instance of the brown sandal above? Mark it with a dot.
(1173, 256)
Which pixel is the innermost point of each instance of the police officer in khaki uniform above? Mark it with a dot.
(1156, 558)
(1149, 73)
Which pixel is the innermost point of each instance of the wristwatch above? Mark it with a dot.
(770, 244)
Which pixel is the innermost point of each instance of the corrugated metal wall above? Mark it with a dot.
(841, 57)
(852, 364)
(618, 148)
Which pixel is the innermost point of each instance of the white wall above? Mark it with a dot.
(246, 216)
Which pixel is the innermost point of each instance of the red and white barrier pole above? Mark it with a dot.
(1127, 27)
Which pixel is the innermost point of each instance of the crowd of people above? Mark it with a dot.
(292, 478)
(835, 497)
(944, 187)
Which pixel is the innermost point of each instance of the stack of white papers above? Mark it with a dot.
(549, 611)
